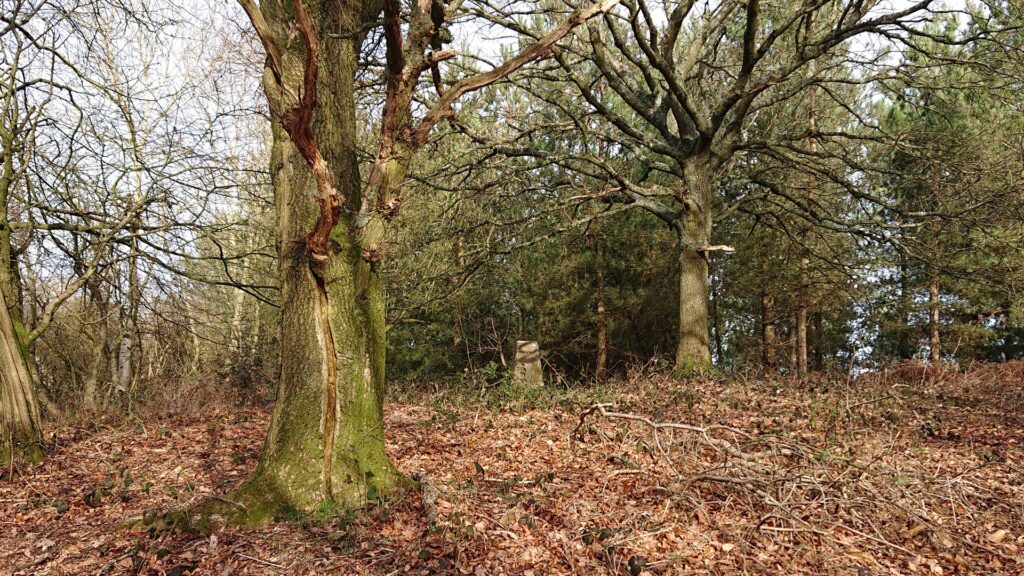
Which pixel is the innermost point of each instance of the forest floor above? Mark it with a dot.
(901, 472)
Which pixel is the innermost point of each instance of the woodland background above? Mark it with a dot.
(915, 162)
(785, 240)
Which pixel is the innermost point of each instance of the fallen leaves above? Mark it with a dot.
(998, 536)
(514, 496)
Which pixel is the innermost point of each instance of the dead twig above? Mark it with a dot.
(260, 561)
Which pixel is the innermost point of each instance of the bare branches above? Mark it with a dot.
(541, 49)
(602, 410)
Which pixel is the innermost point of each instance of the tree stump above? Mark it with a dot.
(528, 370)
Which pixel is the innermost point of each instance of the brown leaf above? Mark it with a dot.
(997, 537)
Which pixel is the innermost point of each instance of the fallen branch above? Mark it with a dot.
(264, 562)
(703, 431)
(429, 497)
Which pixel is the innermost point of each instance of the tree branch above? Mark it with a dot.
(537, 51)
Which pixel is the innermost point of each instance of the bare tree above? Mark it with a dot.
(684, 82)
(96, 152)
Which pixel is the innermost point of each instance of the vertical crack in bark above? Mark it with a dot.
(330, 385)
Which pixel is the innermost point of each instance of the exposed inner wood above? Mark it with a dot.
(331, 383)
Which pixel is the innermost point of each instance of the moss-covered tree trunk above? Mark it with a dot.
(326, 438)
(20, 424)
(325, 445)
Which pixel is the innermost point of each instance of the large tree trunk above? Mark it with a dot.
(692, 353)
(326, 437)
(20, 426)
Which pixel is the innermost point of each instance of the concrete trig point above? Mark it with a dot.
(528, 370)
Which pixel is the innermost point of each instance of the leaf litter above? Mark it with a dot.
(904, 471)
